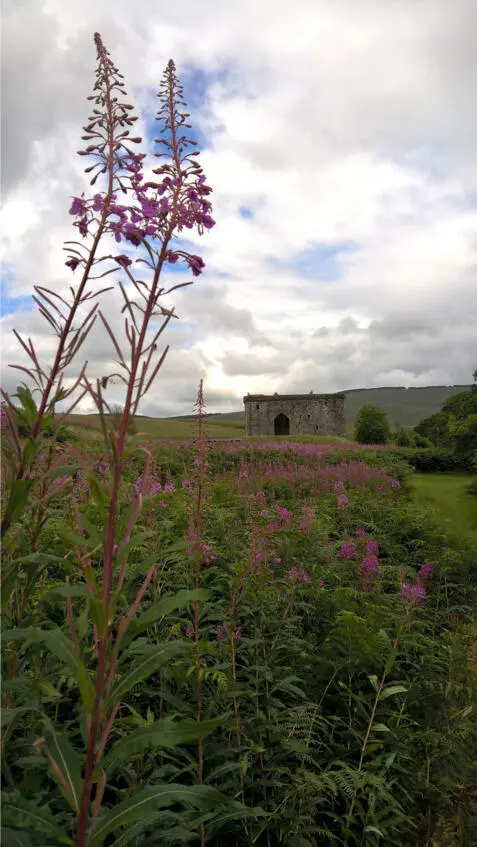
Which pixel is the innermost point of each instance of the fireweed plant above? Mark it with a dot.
(235, 643)
(148, 216)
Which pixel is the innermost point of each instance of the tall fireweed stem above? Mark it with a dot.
(196, 548)
(160, 211)
(147, 219)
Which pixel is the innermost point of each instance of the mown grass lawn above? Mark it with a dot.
(446, 495)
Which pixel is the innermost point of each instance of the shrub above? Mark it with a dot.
(371, 426)
(433, 460)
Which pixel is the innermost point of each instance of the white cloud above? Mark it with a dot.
(335, 123)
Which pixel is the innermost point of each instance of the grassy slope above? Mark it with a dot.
(404, 406)
(446, 496)
(160, 427)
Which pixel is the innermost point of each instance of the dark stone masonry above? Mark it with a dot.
(294, 414)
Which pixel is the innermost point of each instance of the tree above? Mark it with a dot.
(456, 425)
(436, 428)
(371, 425)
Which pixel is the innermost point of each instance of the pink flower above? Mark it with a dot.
(342, 501)
(370, 565)
(425, 573)
(347, 551)
(298, 575)
(372, 547)
(414, 594)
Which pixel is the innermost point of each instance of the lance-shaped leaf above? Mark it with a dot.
(63, 648)
(164, 733)
(151, 798)
(144, 665)
(392, 689)
(20, 814)
(65, 765)
(55, 640)
(168, 603)
(15, 838)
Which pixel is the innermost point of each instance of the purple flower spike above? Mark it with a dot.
(347, 551)
(414, 594)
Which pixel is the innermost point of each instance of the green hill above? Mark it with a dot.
(404, 407)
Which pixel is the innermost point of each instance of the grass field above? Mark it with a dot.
(447, 498)
(177, 429)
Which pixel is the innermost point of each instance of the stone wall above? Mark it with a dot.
(308, 414)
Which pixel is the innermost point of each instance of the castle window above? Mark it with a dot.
(257, 406)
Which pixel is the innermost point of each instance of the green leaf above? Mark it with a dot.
(154, 797)
(373, 680)
(375, 830)
(67, 534)
(37, 559)
(9, 715)
(86, 687)
(68, 591)
(64, 470)
(168, 603)
(69, 764)
(390, 661)
(98, 613)
(14, 838)
(18, 498)
(164, 733)
(82, 621)
(28, 404)
(47, 688)
(93, 532)
(144, 666)
(20, 814)
(63, 648)
(381, 727)
(392, 689)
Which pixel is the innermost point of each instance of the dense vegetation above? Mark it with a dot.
(455, 426)
(331, 675)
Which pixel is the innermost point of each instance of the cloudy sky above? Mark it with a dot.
(340, 137)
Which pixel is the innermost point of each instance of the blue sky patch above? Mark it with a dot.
(9, 305)
(246, 212)
(322, 262)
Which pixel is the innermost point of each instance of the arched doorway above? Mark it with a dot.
(282, 425)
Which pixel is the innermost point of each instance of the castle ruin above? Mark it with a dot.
(294, 414)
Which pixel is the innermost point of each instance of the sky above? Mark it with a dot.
(340, 138)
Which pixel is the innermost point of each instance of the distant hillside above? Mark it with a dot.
(404, 406)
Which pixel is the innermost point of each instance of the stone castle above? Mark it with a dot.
(294, 414)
